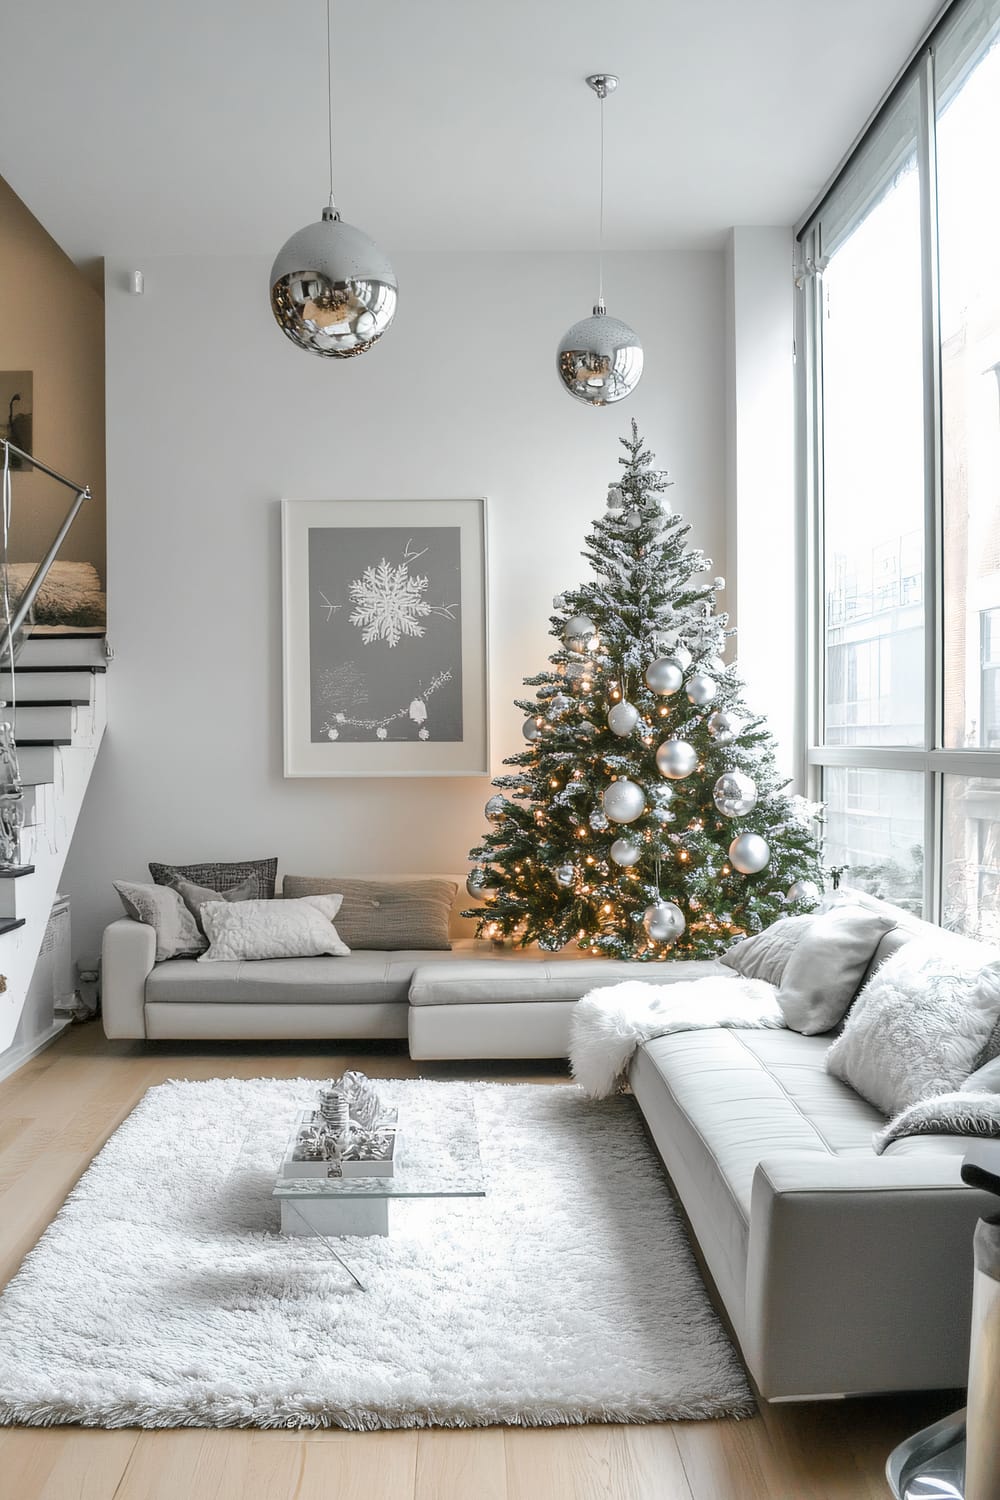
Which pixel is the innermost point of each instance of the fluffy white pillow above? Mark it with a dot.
(271, 929)
(920, 1024)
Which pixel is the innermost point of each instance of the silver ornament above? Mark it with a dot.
(676, 759)
(624, 801)
(724, 726)
(333, 291)
(718, 583)
(735, 794)
(803, 893)
(480, 882)
(616, 499)
(633, 520)
(578, 633)
(682, 657)
(664, 676)
(701, 689)
(749, 853)
(625, 853)
(560, 704)
(599, 359)
(586, 728)
(559, 602)
(496, 808)
(575, 670)
(565, 875)
(598, 821)
(622, 719)
(531, 730)
(663, 922)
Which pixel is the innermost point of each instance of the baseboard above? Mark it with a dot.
(14, 1059)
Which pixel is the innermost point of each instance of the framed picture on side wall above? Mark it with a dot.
(385, 637)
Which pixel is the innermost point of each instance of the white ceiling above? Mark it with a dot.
(142, 127)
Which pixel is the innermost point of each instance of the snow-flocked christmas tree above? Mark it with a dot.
(645, 817)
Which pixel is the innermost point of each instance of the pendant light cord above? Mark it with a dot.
(329, 89)
(600, 253)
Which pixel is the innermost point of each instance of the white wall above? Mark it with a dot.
(213, 415)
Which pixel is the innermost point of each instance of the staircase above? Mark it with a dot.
(59, 720)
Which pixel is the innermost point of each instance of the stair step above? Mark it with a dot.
(50, 685)
(14, 872)
(37, 724)
(62, 652)
(8, 924)
(37, 763)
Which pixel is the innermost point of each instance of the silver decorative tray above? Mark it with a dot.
(295, 1165)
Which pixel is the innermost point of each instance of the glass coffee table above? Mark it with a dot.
(442, 1162)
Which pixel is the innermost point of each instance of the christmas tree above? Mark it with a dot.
(645, 818)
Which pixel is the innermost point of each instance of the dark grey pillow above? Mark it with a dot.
(195, 896)
(384, 914)
(223, 877)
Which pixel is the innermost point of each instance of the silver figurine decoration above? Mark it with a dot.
(349, 1124)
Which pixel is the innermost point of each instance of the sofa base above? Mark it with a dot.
(537, 1028)
(274, 1023)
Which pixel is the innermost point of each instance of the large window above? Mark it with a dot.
(901, 305)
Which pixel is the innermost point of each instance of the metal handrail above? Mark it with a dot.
(82, 492)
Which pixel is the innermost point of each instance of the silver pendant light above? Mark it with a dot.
(600, 358)
(333, 290)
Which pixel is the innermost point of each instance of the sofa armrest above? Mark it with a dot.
(128, 953)
(859, 1273)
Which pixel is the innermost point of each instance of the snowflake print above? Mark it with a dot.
(389, 603)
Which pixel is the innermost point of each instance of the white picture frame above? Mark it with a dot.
(384, 610)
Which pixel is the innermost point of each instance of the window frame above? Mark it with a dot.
(931, 760)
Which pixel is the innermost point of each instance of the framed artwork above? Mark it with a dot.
(385, 645)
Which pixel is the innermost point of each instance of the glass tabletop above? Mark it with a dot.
(433, 1159)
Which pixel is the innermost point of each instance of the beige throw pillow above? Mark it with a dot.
(385, 914)
(161, 908)
(272, 929)
(765, 955)
(195, 896)
(822, 975)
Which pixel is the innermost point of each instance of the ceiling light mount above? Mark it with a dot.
(603, 84)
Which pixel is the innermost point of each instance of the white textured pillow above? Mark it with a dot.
(920, 1024)
(272, 929)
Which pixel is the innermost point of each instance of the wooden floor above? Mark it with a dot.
(57, 1112)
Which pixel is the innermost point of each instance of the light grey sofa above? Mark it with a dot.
(841, 1271)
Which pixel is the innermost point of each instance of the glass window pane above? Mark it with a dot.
(875, 828)
(873, 464)
(971, 856)
(969, 228)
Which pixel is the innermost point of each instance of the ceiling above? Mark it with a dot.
(133, 128)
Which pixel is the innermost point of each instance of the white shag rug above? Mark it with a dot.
(162, 1295)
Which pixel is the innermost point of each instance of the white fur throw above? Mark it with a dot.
(272, 929)
(920, 1024)
(608, 1024)
(958, 1113)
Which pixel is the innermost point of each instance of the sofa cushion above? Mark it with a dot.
(512, 976)
(160, 907)
(385, 915)
(766, 955)
(823, 974)
(222, 877)
(361, 978)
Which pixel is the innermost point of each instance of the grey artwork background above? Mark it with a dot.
(407, 691)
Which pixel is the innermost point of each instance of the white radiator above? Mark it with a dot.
(52, 986)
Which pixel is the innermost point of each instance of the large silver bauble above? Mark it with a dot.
(803, 893)
(664, 676)
(333, 291)
(676, 759)
(624, 801)
(599, 359)
(749, 853)
(559, 705)
(622, 719)
(496, 808)
(735, 794)
(664, 922)
(578, 633)
(701, 689)
(531, 730)
(724, 726)
(565, 875)
(625, 853)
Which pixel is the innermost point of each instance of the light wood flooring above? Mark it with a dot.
(58, 1111)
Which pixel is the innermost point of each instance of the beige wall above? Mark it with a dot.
(52, 323)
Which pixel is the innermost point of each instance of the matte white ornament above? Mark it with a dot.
(664, 922)
(676, 759)
(622, 719)
(664, 676)
(496, 808)
(724, 726)
(565, 875)
(803, 893)
(530, 730)
(749, 853)
(579, 632)
(624, 801)
(701, 689)
(735, 794)
(625, 853)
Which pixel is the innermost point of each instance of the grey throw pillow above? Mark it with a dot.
(824, 972)
(196, 896)
(985, 1080)
(765, 956)
(222, 877)
(177, 934)
(384, 914)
